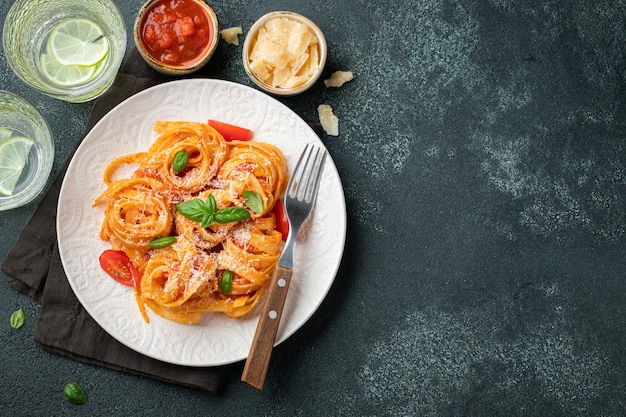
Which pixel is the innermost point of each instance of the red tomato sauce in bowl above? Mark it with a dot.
(177, 33)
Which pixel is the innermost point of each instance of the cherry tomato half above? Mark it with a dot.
(119, 266)
(231, 132)
(282, 224)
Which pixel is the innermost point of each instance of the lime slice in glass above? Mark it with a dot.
(65, 75)
(77, 41)
(13, 155)
(5, 133)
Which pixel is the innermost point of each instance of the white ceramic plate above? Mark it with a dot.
(128, 128)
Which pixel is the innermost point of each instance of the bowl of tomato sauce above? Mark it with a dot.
(176, 37)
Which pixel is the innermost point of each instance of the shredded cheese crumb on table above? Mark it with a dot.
(330, 122)
(338, 78)
(230, 35)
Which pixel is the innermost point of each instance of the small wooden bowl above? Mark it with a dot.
(251, 38)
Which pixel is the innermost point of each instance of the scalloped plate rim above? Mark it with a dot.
(331, 176)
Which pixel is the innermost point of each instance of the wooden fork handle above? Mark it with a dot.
(258, 361)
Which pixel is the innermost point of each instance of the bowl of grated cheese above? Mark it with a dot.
(284, 53)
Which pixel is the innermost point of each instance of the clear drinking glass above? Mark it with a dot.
(18, 118)
(25, 36)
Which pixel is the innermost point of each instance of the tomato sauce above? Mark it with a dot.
(176, 32)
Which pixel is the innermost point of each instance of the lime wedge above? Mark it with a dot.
(77, 41)
(13, 155)
(65, 75)
(5, 133)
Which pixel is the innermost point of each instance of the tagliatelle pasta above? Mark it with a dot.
(135, 213)
(182, 280)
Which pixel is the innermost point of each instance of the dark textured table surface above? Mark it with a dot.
(482, 150)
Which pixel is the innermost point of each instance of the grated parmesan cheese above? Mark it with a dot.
(241, 237)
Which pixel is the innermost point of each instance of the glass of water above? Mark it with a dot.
(67, 49)
(26, 151)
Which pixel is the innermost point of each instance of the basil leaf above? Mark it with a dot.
(74, 393)
(231, 214)
(211, 203)
(181, 158)
(226, 282)
(18, 318)
(253, 200)
(194, 209)
(205, 212)
(162, 241)
(207, 220)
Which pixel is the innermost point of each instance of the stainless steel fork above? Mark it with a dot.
(299, 200)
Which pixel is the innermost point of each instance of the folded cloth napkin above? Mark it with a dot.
(34, 268)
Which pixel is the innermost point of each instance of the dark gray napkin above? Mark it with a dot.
(34, 268)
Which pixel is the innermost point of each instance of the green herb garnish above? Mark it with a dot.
(181, 158)
(253, 200)
(162, 241)
(231, 214)
(74, 393)
(226, 282)
(18, 318)
(206, 212)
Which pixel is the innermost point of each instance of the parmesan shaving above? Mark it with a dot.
(338, 78)
(230, 35)
(330, 122)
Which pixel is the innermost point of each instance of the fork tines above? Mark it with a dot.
(307, 174)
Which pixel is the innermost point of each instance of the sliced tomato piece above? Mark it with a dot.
(282, 224)
(119, 266)
(231, 132)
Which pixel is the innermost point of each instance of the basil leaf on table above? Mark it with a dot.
(18, 318)
(74, 393)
